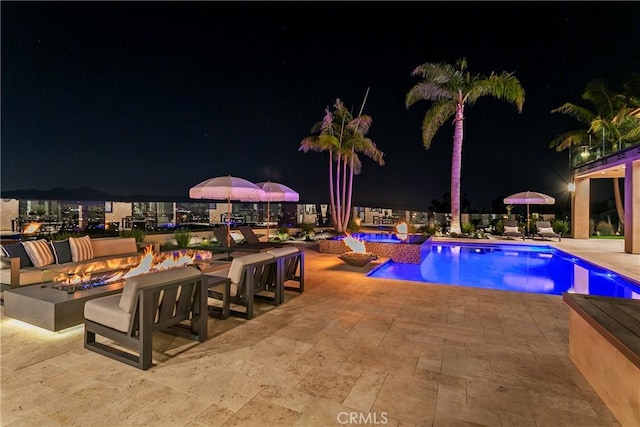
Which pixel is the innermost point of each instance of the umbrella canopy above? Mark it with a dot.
(276, 192)
(227, 188)
(529, 198)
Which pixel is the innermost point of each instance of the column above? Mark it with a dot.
(632, 207)
(580, 209)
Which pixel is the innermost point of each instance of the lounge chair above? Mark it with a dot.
(253, 240)
(545, 231)
(232, 245)
(511, 230)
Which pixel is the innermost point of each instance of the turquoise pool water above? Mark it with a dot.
(386, 238)
(511, 267)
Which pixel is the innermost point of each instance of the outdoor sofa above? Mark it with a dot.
(38, 261)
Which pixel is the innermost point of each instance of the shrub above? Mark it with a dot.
(430, 229)
(283, 232)
(562, 226)
(604, 229)
(183, 237)
(64, 235)
(308, 228)
(467, 228)
(499, 227)
(353, 226)
(136, 233)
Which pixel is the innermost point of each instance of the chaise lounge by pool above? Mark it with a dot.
(511, 267)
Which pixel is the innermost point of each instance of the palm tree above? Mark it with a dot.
(450, 88)
(616, 118)
(343, 136)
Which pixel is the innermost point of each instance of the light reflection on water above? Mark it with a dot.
(522, 268)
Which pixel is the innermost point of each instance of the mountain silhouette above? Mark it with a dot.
(85, 194)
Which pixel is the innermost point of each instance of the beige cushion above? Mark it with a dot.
(285, 250)
(237, 265)
(81, 249)
(107, 312)
(128, 297)
(29, 275)
(511, 229)
(39, 252)
(546, 230)
(110, 246)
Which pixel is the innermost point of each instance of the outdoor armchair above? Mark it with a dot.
(249, 276)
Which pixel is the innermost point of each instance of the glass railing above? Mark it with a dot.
(584, 154)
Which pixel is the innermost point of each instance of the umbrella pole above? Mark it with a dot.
(527, 230)
(268, 220)
(228, 223)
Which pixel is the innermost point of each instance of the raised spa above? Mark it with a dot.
(407, 248)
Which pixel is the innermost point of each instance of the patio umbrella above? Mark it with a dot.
(275, 192)
(227, 188)
(529, 198)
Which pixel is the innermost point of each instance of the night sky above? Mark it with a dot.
(155, 97)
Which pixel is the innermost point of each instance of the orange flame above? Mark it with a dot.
(32, 227)
(356, 245)
(402, 229)
(150, 262)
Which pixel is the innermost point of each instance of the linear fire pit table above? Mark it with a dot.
(50, 308)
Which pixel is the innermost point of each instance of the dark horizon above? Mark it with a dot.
(155, 97)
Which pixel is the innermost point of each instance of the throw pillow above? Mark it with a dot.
(545, 230)
(81, 249)
(39, 252)
(61, 251)
(508, 229)
(17, 250)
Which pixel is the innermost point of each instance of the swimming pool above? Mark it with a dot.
(412, 239)
(511, 267)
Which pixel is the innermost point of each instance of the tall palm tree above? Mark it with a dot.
(343, 136)
(615, 118)
(450, 88)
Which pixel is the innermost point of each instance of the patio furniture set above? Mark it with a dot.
(130, 311)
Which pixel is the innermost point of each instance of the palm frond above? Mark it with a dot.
(360, 124)
(569, 139)
(583, 115)
(424, 91)
(504, 86)
(435, 117)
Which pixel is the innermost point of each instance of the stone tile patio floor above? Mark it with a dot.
(385, 352)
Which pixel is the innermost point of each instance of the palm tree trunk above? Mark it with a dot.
(339, 225)
(347, 211)
(618, 198)
(456, 168)
(332, 201)
(344, 191)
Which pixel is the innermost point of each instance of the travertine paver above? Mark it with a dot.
(349, 349)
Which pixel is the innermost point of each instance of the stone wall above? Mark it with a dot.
(406, 253)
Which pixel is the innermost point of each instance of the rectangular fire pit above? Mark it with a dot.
(51, 308)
